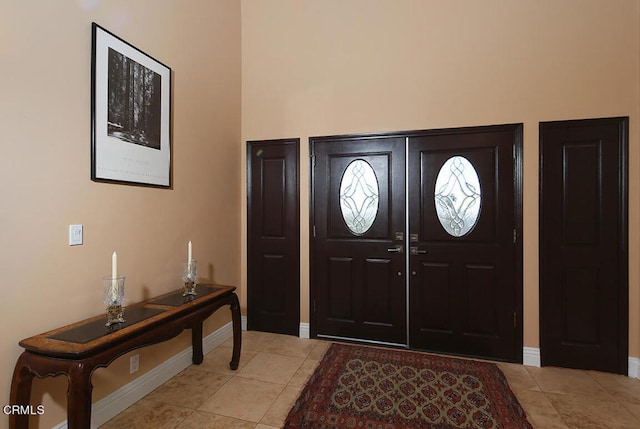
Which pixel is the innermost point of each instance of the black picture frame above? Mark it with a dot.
(130, 113)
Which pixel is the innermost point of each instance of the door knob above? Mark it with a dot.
(397, 249)
(416, 251)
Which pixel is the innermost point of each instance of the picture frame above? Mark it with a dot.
(130, 113)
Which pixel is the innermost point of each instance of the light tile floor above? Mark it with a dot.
(274, 368)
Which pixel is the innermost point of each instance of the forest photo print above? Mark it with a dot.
(134, 101)
(131, 113)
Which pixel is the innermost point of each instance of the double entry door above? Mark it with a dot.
(415, 240)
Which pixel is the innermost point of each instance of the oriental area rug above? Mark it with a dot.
(379, 388)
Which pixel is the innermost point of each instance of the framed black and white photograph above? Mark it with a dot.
(130, 113)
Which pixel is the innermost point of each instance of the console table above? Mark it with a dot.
(78, 349)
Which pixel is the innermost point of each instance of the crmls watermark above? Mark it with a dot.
(31, 410)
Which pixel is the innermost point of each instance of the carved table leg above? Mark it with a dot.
(78, 373)
(237, 332)
(79, 396)
(20, 391)
(196, 342)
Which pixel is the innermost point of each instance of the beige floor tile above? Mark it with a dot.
(569, 382)
(291, 346)
(320, 349)
(243, 399)
(254, 341)
(261, 426)
(303, 373)
(633, 408)
(146, 414)
(271, 367)
(279, 411)
(518, 377)
(621, 387)
(217, 360)
(539, 410)
(200, 420)
(582, 412)
(189, 389)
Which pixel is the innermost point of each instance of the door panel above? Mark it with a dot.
(273, 254)
(439, 318)
(481, 290)
(378, 295)
(358, 284)
(583, 244)
(464, 289)
(340, 301)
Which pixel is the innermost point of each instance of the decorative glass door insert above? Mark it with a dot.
(458, 196)
(359, 195)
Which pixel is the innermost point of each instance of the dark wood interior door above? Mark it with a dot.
(465, 281)
(273, 249)
(358, 238)
(583, 244)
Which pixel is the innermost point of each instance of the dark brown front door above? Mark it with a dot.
(463, 293)
(464, 247)
(273, 254)
(359, 208)
(583, 244)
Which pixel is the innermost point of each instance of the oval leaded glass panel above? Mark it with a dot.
(359, 195)
(458, 196)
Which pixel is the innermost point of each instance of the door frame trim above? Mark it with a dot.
(623, 231)
(517, 130)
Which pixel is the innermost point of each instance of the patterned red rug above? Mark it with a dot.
(377, 388)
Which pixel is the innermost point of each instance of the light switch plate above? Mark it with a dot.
(75, 235)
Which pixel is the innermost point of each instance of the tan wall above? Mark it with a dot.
(45, 63)
(308, 68)
(315, 68)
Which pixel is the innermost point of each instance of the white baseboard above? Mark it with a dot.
(304, 330)
(243, 322)
(118, 401)
(531, 356)
(634, 367)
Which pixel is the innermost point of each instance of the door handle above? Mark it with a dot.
(397, 249)
(416, 251)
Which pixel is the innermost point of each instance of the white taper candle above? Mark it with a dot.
(114, 277)
(114, 265)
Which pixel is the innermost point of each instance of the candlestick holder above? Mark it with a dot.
(189, 277)
(113, 296)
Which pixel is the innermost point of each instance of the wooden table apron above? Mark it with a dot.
(46, 357)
